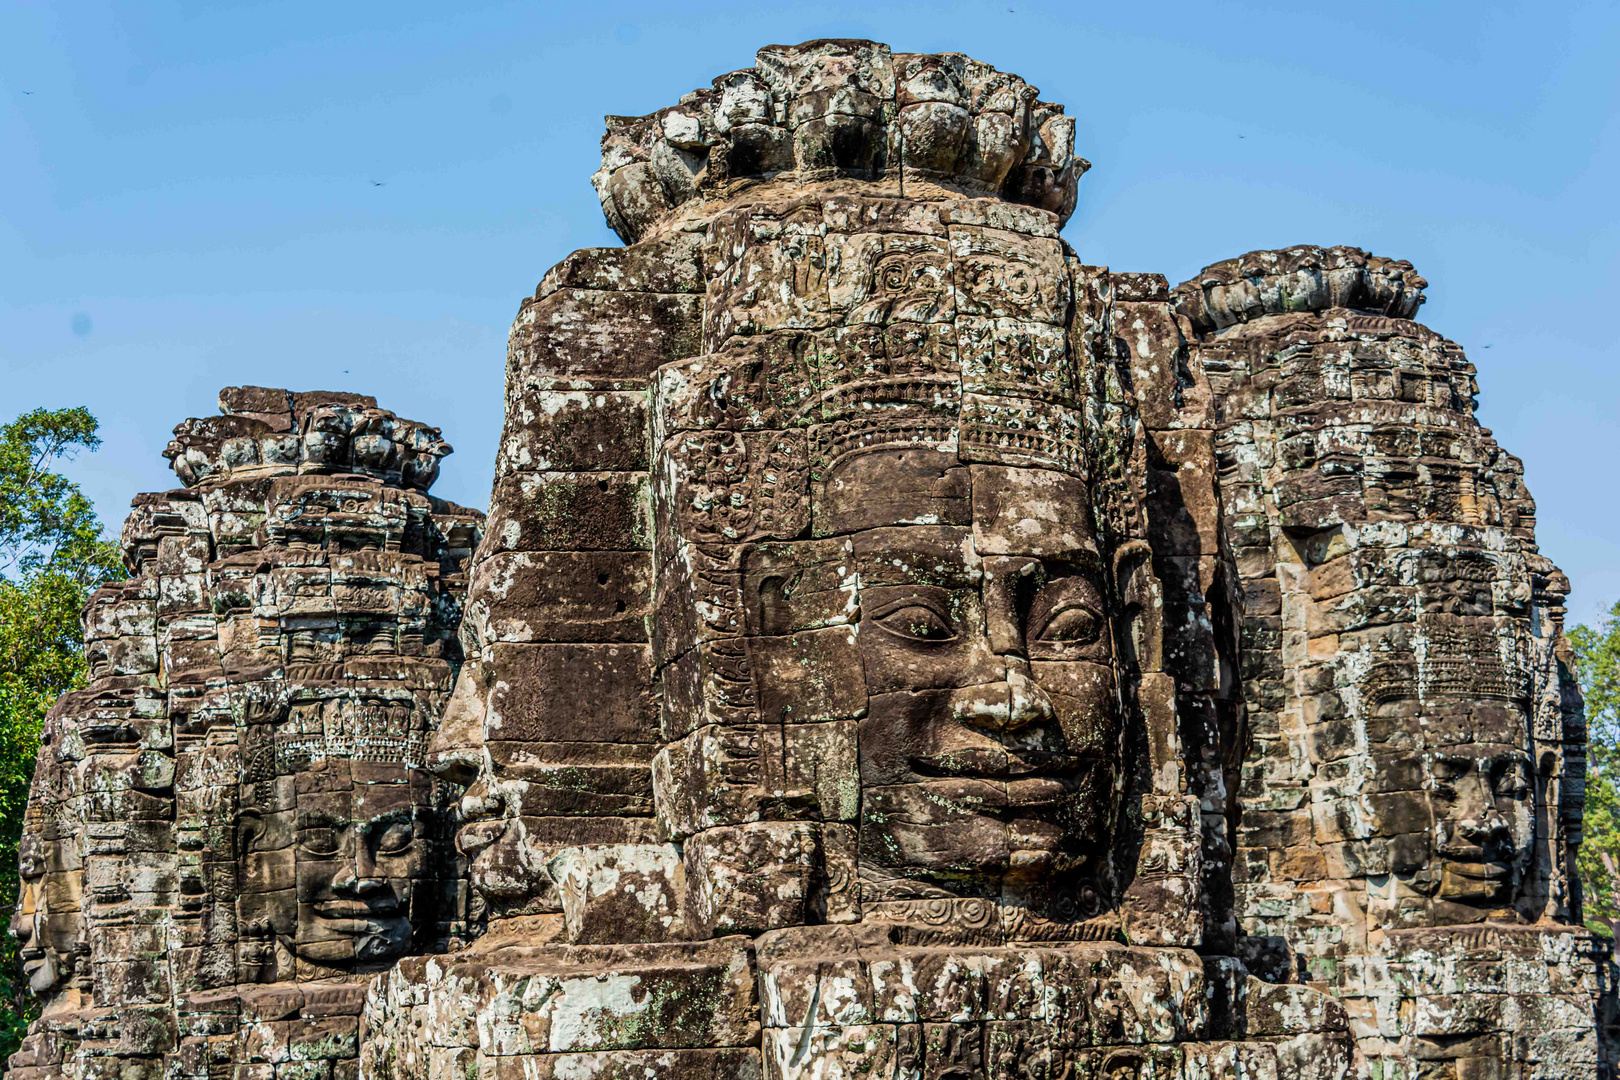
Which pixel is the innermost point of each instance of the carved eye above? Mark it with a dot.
(917, 621)
(1510, 781)
(1072, 623)
(395, 838)
(1448, 769)
(318, 841)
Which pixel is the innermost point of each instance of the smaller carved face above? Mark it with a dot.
(353, 858)
(1483, 819)
(910, 281)
(506, 873)
(46, 952)
(1122, 1065)
(1456, 792)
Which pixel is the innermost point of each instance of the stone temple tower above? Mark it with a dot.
(896, 649)
(851, 676)
(228, 829)
(1412, 796)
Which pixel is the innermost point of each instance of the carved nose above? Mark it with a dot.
(1001, 617)
(1027, 702)
(1008, 706)
(350, 882)
(480, 803)
(479, 835)
(458, 765)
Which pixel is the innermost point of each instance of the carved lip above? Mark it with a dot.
(1476, 866)
(995, 763)
(357, 910)
(1030, 792)
(994, 795)
(1492, 853)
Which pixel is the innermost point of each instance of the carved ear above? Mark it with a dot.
(249, 828)
(1142, 598)
(774, 615)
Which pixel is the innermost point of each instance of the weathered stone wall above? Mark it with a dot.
(227, 830)
(1412, 796)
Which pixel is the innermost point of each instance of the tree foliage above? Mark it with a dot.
(52, 556)
(1597, 665)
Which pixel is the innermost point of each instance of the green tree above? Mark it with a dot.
(52, 556)
(1597, 665)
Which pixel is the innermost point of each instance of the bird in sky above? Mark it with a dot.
(379, 183)
(30, 93)
(1484, 346)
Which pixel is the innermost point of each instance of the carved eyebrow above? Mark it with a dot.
(879, 596)
(391, 817)
(929, 600)
(320, 819)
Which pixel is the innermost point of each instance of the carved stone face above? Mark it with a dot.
(1480, 779)
(1454, 798)
(874, 597)
(45, 940)
(870, 502)
(1484, 827)
(352, 857)
(990, 746)
(504, 872)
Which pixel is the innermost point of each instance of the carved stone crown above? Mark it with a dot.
(842, 108)
(381, 727)
(269, 432)
(1305, 278)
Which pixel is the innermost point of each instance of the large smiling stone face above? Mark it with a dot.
(883, 603)
(990, 747)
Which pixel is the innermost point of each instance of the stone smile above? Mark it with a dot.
(345, 910)
(995, 764)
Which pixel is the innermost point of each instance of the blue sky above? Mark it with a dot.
(190, 198)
